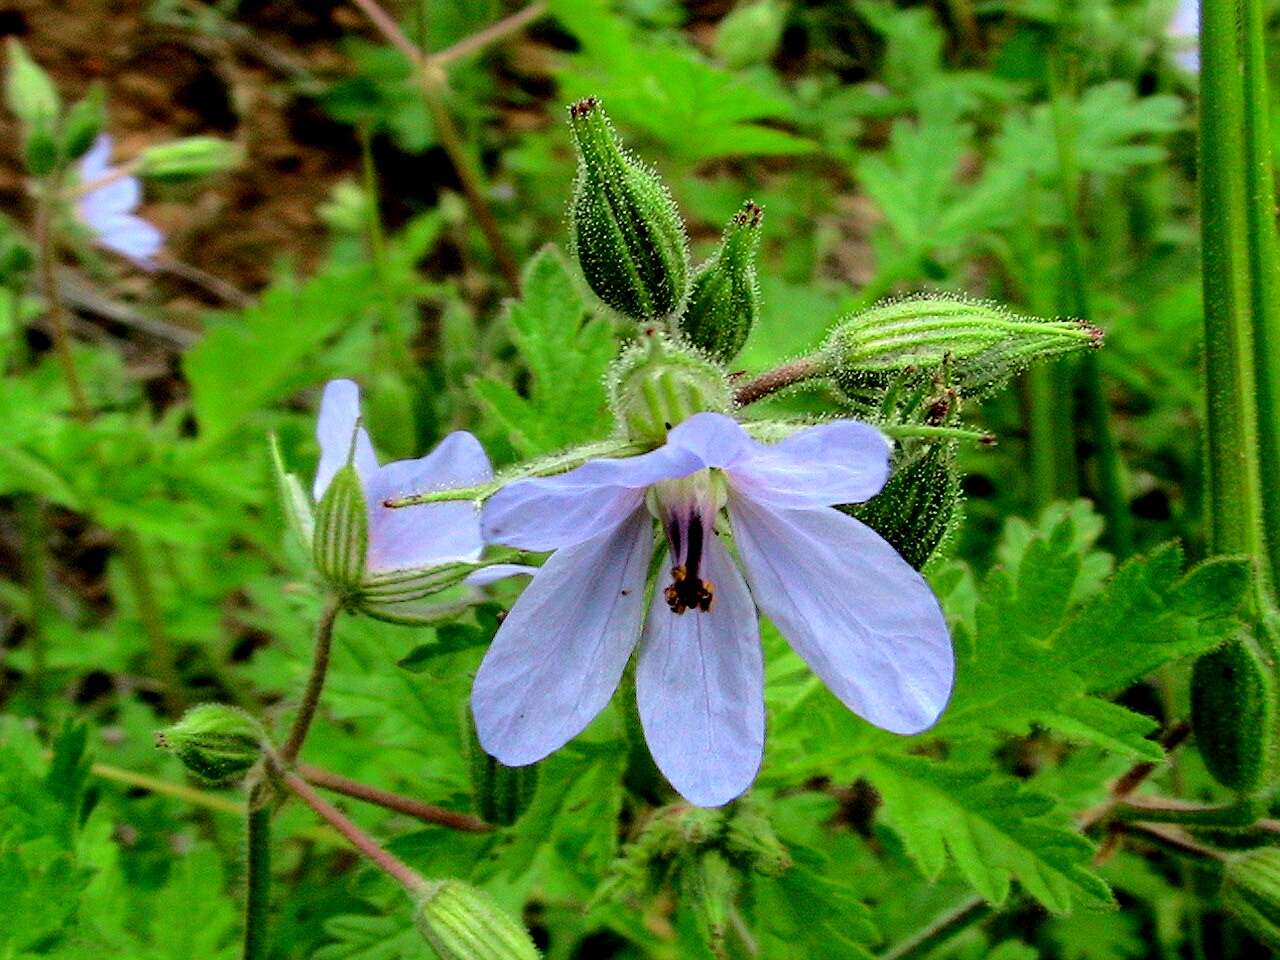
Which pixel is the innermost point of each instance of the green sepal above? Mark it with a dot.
(709, 885)
(40, 148)
(919, 507)
(341, 539)
(217, 743)
(501, 793)
(84, 121)
(294, 502)
(978, 345)
(1233, 712)
(657, 383)
(725, 299)
(625, 230)
(461, 922)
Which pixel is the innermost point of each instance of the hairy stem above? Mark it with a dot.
(47, 251)
(138, 573)
(257, 874)
(779, 378)
(426, 812)
(315, 682)
(381, 858)
(431, 80)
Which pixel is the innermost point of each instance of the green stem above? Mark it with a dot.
(47, 251)
(1265, 274)
(1231, 422)
(1243, 813)
(1042, 437)
(137, 572)
(398, 347)
(36, 569)
(257, 902)
(942, 929)
(315, 683)
(1112, 483)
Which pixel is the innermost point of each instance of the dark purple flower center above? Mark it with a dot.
(687, 590)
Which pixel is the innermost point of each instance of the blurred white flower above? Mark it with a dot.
(109, 210)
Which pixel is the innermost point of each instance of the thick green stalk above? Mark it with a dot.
(257, 875)
(1265, 269)
(1112, 483)
(1230, 377)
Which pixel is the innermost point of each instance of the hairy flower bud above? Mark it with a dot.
(656, 384)
(710, 886)
(1251, 893)
(920, 504)
(188, 158)
(625, 229)
(501, 793)
(84, 122)
(980, 344)
(461, 922)
(341, 537)
(29, 92)
(1233, 711)
(725, 299)
(217, 743)
(750, 839)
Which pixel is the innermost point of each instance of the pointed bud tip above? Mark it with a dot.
(751, 215)
(583, 107)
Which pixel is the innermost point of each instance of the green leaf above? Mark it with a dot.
(806, 912)
(996, 830)
(566, 356)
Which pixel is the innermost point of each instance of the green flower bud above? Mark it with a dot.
(750, 34)
(501, 793)
(749, 838)
(919, 506)
(461, 922)
(625, 229)
(725, 299)
(1233, 711)
(188, 158)
(1251, 893)
(341, 537)
(656, 384)
(84, 121)
(980, 344)
(29, 92)
(710, 886)
(217, 743)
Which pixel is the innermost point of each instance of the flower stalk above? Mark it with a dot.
(257, 873)
(47, 248)
(426, 812)
(315, 682)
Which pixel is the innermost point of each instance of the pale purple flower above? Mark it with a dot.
(407, 538)
(109, 210)
(864, 620)
(1184, 29)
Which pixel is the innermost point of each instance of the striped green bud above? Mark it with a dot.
(625, 229)
(461, 922)
(341, 537)
(1233, 712)
(188, 158)
(725, 300)
(749, 838)
(919, 506)
(28, 90)
(501, 793)
(217, 743)
(1251, 893)
(980, 345)
(710, 885)
(656, 384)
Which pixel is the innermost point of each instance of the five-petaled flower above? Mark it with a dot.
(420, 539)
(108, 210)
(864, 620)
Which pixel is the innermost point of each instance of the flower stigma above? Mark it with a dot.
(688, 508)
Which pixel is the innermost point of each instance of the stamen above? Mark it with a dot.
(687, 590)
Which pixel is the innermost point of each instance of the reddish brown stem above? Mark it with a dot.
(427, 812)
(1133, 778)
(771, 381)
(490, 34)
(315, 683)
(409, 878)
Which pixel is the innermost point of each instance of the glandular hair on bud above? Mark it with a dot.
(656, 384)
(1233, 713)
(217, 743)
(501, 793)
(461, 922)
(980, 344)
(919, 506)
(1251, 893)
(341, 537)
(624, 227)
(725, 299)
